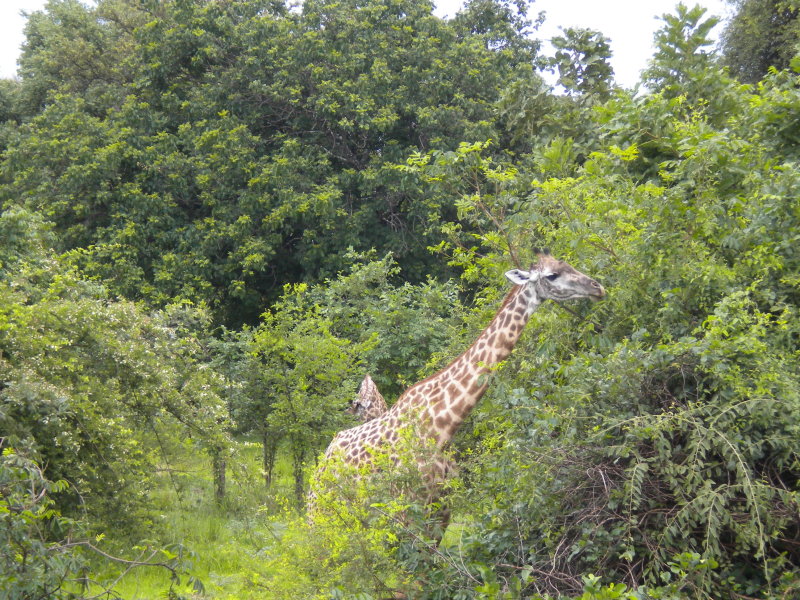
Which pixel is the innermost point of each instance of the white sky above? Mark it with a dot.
(629, 23)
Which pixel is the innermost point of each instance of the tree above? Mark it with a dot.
(42, 553)
(683, 57)
(33, 565)
(235, 147)
(71, 48)
(91, 385)
(761, 34)
(652, 429)
(10, 114)
(309, 375)
(582, 62)
(407, 326)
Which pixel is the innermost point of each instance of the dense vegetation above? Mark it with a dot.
(218, 216)
(761, 34)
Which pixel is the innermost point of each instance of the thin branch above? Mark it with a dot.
(597, 326)
(166, 462)
(124, 561)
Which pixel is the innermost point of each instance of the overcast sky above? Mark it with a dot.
(629, 23)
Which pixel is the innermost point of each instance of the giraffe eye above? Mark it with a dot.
(551, 277)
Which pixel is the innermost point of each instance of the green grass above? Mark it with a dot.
(223, 545)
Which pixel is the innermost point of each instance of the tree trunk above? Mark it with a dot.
(219, 463)
(270, 443)
(298, 460)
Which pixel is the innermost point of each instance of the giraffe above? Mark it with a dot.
(369, 403)
(438, 405)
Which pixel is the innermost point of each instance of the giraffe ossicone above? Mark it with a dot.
(438, 405)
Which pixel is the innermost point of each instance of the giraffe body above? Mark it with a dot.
(438, 405)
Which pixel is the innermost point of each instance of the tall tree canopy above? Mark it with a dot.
(761, 34)
(215, 150)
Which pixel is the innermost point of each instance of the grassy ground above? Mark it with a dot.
(221, 545)
(224, 548)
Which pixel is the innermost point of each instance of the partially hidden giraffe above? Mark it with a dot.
(439, 404)
(369, 403)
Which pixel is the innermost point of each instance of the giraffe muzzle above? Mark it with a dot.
(597, 291)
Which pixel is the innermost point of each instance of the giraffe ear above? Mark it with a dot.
(519, 277)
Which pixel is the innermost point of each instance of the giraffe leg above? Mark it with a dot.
(441, 514)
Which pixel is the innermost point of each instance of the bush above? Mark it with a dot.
(37, 555)
(369, 531)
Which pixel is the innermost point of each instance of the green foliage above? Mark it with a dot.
(299, 369)
(73, 49)
(214, 151)
(25, 239)
(582, 62)
(683, 64)
(529, 112)
(760, 34)
(369, 531)
(216, 549)
(91, 383)
(486, 192)
(36, 555)
(303, 369)
(206, 154)
(45, 555)
(651, 439)
(661, 423)
(9, 109)
(402, 323)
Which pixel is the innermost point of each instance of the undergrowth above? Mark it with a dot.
(220, 547)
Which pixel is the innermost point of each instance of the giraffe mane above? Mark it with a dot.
(510, 297)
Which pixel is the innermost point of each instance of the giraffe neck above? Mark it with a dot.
(446, 398)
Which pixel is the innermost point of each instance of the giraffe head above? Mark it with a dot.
(553, 279)
(369, 403)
